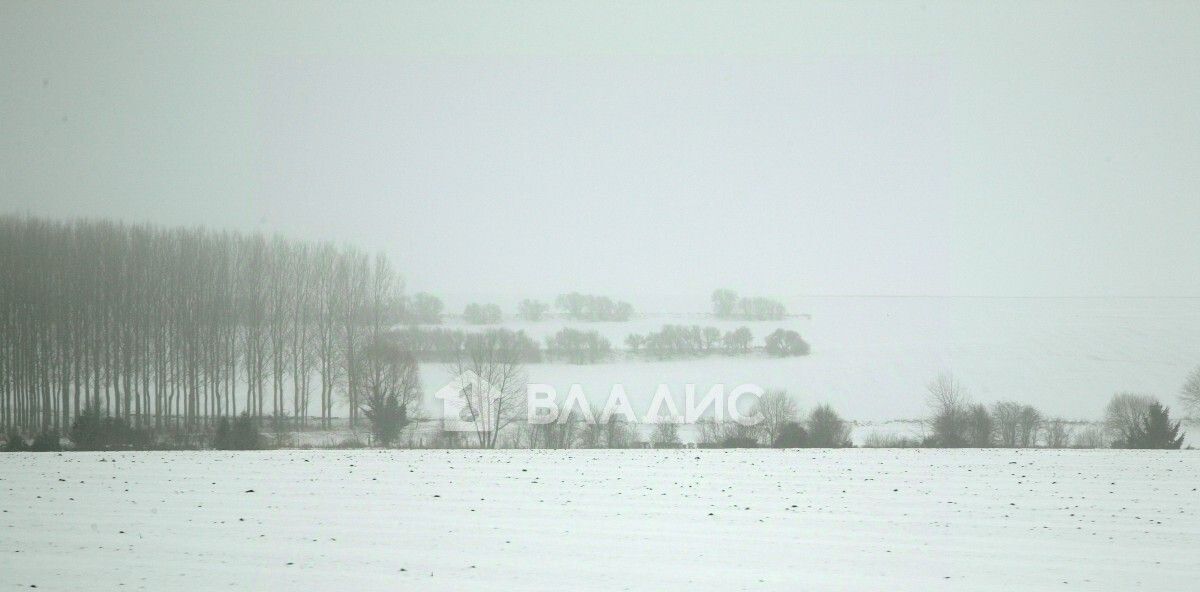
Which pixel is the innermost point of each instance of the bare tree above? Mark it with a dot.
(1189, 395)
(777, 409)
(494, 390)
(1008, 423)
(981, 427)
(1058, 433)
(168, 329)
(1092, 436)
(1125, 413)
(949, 402)
(666, 434)
(390, 385)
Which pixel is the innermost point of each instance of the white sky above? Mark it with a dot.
(1004, 148)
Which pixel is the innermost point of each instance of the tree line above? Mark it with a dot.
(728, 305)
(174, 328)
(1130, 421)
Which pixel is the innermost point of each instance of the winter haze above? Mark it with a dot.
(1006, 149)
(564, 295)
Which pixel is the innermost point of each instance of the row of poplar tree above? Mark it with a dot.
(178, 327)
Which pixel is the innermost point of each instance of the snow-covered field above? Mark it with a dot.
(602, 520)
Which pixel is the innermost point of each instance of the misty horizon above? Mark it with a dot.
(945, 158)
(695, 295)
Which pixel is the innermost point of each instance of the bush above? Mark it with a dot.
(47, 441)
(13, 442)
(95, 430)
(793, 435)
(240, 434)
(827, 429)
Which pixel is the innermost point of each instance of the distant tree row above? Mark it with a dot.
(675, 341)
(586, 307)
(178, 327)
(781, 426)
(578, 347)
(1130, 421)
(482, 314)
(447, 345)
(727, 305)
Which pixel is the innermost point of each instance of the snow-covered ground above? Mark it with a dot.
(872, 356)
(602, 520)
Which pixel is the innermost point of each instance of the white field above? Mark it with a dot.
(602, 520)
(872, 357)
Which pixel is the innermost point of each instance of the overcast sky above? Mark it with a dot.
(786, 148)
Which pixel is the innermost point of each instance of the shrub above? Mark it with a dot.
(827, 429)
(95, 430)
(424, 309)
(47, 441)
(240, 434)
(793, 435)
(14, 442)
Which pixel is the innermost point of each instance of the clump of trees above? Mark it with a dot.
(587, 307)
(666, 435)
(239, 434)
(482, 314)
(175, 328)
(95, 430)
(1130, 421)
(422, 309)
(391, 385)
(43, 442)
(956, 422)
(578, 347)
(785, 343)
(446, 345)
(1140, 421)
(532, 310)
(577, 430)
(1156, 430)
(826, 429)
(675, 341)
(727, 305)
(779, 425)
